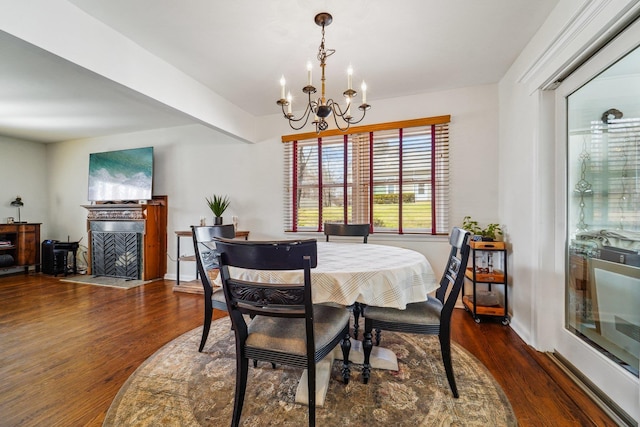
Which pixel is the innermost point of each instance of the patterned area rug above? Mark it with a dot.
(177, 386)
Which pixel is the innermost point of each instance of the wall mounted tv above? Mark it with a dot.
(121, 176)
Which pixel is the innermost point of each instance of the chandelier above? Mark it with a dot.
(322, 107)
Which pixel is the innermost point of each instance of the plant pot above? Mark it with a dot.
(217, 220)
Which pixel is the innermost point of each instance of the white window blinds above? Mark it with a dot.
(396, 178)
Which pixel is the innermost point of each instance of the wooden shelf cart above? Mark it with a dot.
(485, 293)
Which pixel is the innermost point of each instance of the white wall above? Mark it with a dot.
(23, 173)
(193, 162)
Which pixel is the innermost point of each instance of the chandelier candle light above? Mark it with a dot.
(322, 107)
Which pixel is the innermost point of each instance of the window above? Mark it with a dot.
(394, 176)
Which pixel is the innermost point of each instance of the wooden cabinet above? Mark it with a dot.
(487, 277)
(20, 246)
(154, 242)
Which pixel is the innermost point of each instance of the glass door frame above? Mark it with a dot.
(619, 385)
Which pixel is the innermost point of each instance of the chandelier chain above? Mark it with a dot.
(323, 54)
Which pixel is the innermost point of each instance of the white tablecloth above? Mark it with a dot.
(378, 275)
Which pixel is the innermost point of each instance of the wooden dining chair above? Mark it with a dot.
(430, 317)
(287, 328)
(354, 230)
(206, 264)
(362, 230)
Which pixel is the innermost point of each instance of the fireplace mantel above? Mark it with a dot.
(116, 211)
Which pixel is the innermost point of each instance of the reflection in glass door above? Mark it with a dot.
(603, 212)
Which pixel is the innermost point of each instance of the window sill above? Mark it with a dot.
(374, 238)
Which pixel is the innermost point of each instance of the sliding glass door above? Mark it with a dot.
(598, 109)
(603, 199)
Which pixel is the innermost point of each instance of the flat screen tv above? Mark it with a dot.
(121, 176)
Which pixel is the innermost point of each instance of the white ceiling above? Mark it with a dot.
(240, 49)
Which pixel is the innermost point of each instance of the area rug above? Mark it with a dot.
(177, 386)
(111, 282)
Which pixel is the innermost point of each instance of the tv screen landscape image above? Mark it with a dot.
(121, 176)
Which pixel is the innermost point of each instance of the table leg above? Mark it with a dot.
(178, 261)
(323, 375)
(75, 261)
(381, 358)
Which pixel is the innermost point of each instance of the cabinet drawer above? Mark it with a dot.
(14, 228)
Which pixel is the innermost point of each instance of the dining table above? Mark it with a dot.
(346, 273)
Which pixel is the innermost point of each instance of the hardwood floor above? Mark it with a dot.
(66, 349)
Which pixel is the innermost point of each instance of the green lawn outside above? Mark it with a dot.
(416, 215)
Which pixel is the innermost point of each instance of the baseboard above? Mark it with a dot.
(598, 396)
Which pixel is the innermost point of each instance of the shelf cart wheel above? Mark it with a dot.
(476, 319)
(505, 321)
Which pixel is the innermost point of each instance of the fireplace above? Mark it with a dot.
(128, 240)
(116, 248)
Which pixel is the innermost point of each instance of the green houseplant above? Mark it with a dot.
(488, 233)
(218, 204)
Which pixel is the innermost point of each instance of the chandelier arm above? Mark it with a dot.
(284, 113)
(305, 116)
(299, 127)
(337, 112)
(364, 113)
(334, 106)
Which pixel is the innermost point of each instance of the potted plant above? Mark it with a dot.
(218, 204)
(489, 233)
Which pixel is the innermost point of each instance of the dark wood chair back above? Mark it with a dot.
(269, 299)
(453, 276)
(206, 261)
(204, 248)
(334, 229)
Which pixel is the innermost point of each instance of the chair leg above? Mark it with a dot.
(367, 346)
(346, 348)
(357, 309)
(242, 371)
(378, 336)
(208, 313)
(311, 392)
(445, 349)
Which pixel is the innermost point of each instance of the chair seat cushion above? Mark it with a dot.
(418, 313)
(288, 335)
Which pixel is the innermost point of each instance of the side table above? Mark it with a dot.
(240, 234)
